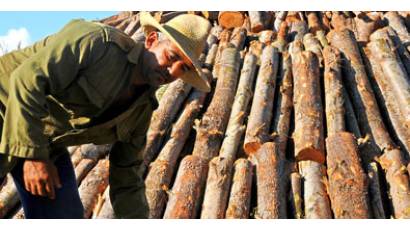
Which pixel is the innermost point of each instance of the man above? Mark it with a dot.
(89, 83)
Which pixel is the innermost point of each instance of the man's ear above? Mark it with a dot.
(151, 39)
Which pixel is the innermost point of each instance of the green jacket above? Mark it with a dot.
(53, 92)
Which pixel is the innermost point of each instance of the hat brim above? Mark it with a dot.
(194, 77)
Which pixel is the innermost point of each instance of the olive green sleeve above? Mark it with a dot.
(48, 72)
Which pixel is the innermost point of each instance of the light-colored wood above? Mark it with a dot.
(230, 19)
(295, 195)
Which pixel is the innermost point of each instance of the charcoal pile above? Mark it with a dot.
(308, 117)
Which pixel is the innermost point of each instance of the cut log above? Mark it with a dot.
(376, 201)
(333, 91)
(83, 168)
(240, 196)
(314, 23)
(224, 41)
(281, 38)
(308, 135)
(347, 180)
(298, 29)
(270, 168)
(366, 24)
(210, 57)
(350, 118)
(162, 169)
(212, 127)
(316, 200)
(395, 74)
(312, 44)
(388, 102)
(162, 119)
(230, 19)
(133, 25)
(106, 211)
(279, 19)
(266, 37)
(238, 37)
(257, 131)
(257, 20)
(341, 22)
(76, 157)
(295, 196)
(93, 186)
(187, 188)
(9, 198)
(398, 182)
(92, 153)
(396, 22)
(71, 149)
(284, 104)
(362, 95)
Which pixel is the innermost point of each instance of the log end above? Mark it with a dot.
(251, 148)
(312, 154)
(230, 19)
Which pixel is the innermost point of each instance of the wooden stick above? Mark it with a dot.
(93, 185)
(266, 36)
(162, 118)
(297, 30)
(281, 38)
(187, 188)
(270, 168)
(347, 180)
(240, 196)
(230, 19)
(257, 21)
(396, 22)
(224, 41)
(315, 195)
(312, 44)
(257, 131)
(366, 24)
(374, 191)
(314, 23)
(238, 37)
(162, 169)
(295, 196)
(279, 19)
(308, 135)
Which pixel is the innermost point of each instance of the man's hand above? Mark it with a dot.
(41, 177)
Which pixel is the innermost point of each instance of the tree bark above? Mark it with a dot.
(257, 131)
(162, 119)
(279, 19)
(240, 196)
(347, 180)
(308, 135)
(183, 198)
(270, 168)
(230, 19)
(238, 37)
(266, 37)
(366, 24)
(298, 29)
(314, 23)
(93, 185)
(333, 91)
(312, 44)
(162, 169)
(257, 20)
(224, 42)
(315, 195)
(376, 201)
(295, 196)
(396, 22)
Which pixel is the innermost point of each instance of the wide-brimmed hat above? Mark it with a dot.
(189, 33)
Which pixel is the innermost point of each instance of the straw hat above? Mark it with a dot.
(189, 33)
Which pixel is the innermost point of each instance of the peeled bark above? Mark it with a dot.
(93, 186)
(315, 197)
(257, 21)
(333, 91)
(183, 198)
(257, 131)
(398, 181)
(8, 197)
(106, 211)
(308, 135)
(295, 196)
(270, 168)
(230, 19)
(162, 169)
(376, 201)
(162, 119)
(240, 196)
(347, 180)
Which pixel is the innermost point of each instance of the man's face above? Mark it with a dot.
(163, 61)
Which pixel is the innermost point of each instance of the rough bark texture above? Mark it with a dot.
(298, 29)
(257, 20)
(396, 22)
(279, 18)
(347, 180)
(376, 201)
(8, 197)
(333, 91)
(230, 19)
(366, 24)
(183, 198)
(365, 105)
(266, 36)
(93, 185)
(314, 23)
(240, 196)
(398, 182)
(270, 168)
(308, 135)
(162, 169)
(162, 118)
(224, 42)
(281, 37)
(106, 211)
(257, 131)
(295, 195)
(238, 37)
(83, 168)
(312, 44)
(316, 200)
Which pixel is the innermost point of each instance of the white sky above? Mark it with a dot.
(13, 39)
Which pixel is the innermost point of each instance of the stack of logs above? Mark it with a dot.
(308, 117)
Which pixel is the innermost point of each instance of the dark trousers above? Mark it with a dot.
(67, 203)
